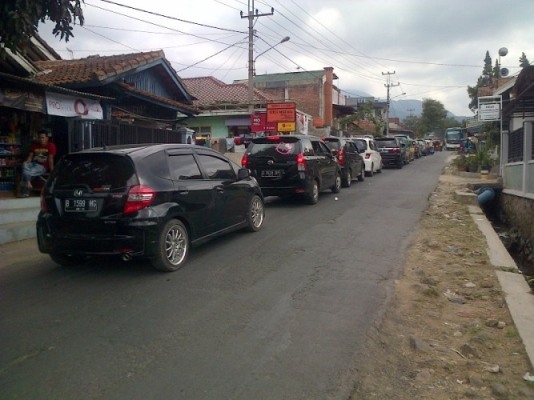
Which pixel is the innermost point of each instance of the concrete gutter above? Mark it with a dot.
(518, 295)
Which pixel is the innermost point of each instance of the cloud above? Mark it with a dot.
(436, 48)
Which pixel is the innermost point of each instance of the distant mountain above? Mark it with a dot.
(399, 108)
(404, 108)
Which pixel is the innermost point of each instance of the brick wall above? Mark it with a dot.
(308, 97)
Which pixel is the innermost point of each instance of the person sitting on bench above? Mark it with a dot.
(40, 161)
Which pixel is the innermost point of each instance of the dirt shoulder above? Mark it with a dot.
(448, 333)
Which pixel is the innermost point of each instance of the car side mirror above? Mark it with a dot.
(243, 173)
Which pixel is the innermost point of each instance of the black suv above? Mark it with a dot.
(349, 158)
(293, 164)
(154, 201)
(393, 152)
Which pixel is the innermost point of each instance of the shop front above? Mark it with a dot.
(26, 108)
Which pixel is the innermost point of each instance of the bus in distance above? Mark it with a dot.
(454, 138)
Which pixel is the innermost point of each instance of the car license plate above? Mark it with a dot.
(77, 205)
(271, 173)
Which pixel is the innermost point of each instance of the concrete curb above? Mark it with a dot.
(517, 293)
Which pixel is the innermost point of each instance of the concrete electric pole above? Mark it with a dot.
(388, 85)
(251, 14)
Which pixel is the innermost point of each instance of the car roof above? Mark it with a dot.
(142, 150)
(262, 138)
(330, 137)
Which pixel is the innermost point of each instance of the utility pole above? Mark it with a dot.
(251, 14)
(388, 85)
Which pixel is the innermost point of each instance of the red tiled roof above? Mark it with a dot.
(93, 68)
(210, 91)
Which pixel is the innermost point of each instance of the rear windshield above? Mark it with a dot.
(279, 145)
(101, 172)
(332, 144)
(387, 143)
(361, 144)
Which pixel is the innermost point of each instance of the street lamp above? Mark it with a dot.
(399, 95)
(503, 51)
(252, 72)
(265, 51)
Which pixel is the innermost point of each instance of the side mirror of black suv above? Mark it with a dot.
(243, 173)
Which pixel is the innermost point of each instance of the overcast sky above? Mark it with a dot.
(435, 47)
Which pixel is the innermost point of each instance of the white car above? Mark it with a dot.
(371, 155)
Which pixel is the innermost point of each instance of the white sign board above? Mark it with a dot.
(489, 112)
(70, 106)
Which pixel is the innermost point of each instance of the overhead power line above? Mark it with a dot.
(169, 17)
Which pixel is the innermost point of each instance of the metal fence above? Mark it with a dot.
(88, 134)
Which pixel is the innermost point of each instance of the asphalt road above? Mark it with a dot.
(277, 314)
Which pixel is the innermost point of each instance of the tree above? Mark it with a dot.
(20, 20)
(488, 73)
(411, 123)
(365, 111)
(488, 70)
(433, 117)
(523, 61)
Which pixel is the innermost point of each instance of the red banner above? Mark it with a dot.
(258, 123)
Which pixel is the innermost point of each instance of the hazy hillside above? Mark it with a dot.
(404, 108)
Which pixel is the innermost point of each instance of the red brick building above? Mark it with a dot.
(314, 93)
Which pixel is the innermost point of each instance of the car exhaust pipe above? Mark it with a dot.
(126, 256)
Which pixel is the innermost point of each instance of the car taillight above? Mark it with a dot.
(273, 137)
(139, 197)
(394, 150)
(301, 162)
(244, 161)
(367, 156)
(341, 157)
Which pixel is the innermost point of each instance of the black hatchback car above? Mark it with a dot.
(153, 201)
(293, 165)
(349, 158)
(391, 149)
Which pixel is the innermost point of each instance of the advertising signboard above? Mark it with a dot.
(258, 123)
(281, 112)
(69, 106)
(489, 108)
(287, 127)
(489, 112)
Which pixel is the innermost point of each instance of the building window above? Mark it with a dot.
(515, 145)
